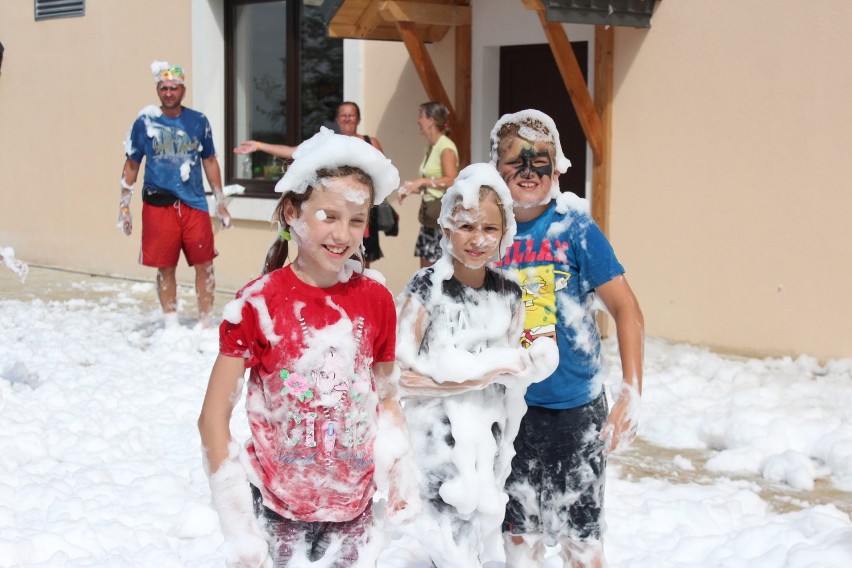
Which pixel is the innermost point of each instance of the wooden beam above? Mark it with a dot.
(425, 13)
(463, 95)
(426, 69)
(601, 170)
(352, 31)
(369, 20)
(572, 76)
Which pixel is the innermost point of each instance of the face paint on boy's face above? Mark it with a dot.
(525, 164)
(527, 168)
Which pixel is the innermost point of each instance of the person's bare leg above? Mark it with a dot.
(167, 288)
(524, 551)
(167, 293)
(577, 554)
(205, 287)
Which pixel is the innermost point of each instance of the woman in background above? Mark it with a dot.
(348, 118)
(439, 168)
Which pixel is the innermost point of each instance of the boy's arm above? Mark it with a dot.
(623, 420)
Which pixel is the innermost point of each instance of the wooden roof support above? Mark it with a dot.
(604, 44)
(595, 116)
(572, 76)
(368, 21)
(416, 22)
(426, 13)
(432, 81)
(461, 136)
(424, 66)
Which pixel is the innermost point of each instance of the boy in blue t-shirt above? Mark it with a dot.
(563, 261)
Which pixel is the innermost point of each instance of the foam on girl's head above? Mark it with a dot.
(532, 125)
(465, 193)
(327, 150)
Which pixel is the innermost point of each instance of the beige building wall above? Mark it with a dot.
(730, 198)
(69, 91)
(392, 84)
(731, 181)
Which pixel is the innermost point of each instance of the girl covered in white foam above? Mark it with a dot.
(464, 372)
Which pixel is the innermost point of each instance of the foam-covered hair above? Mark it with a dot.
(327, 150)
(465, 192)
(531, 124)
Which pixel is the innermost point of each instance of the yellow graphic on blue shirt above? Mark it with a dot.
(539, 285)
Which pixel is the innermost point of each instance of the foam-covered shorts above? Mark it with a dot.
(556, 487)
(168, 230)
(428, 245)
(301, 541)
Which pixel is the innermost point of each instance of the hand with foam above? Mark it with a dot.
(623, 420)
(245, 545)
(125, 221)
(539, 361)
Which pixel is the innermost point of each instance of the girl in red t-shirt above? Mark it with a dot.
(318, 338)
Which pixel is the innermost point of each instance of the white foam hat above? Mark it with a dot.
(465, 192)
(325, 150)
(523, 119)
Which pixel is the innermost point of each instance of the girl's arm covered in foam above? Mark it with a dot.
(396, 472)
(223, 392)
(245, 545)
(415, 383)
(456, 371)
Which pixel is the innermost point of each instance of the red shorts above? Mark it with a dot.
(168, 230)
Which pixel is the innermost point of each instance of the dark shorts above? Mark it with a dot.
(313, 538)
(428, 245)
(168, 230)
(556, 487)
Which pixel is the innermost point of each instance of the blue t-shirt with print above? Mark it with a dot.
(174, 148)
(560, 258)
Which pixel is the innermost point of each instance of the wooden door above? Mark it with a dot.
(529, 78)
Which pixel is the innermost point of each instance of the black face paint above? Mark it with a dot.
(526, 168)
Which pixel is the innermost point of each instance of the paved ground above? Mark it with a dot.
(52, 284)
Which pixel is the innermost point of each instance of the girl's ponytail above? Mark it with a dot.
(276, 256)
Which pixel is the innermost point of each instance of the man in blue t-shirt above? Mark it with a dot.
(563, 261)
(177, 143)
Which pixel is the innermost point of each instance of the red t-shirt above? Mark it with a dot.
(311, 398)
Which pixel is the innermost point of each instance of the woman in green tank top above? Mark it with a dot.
(439, 168)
